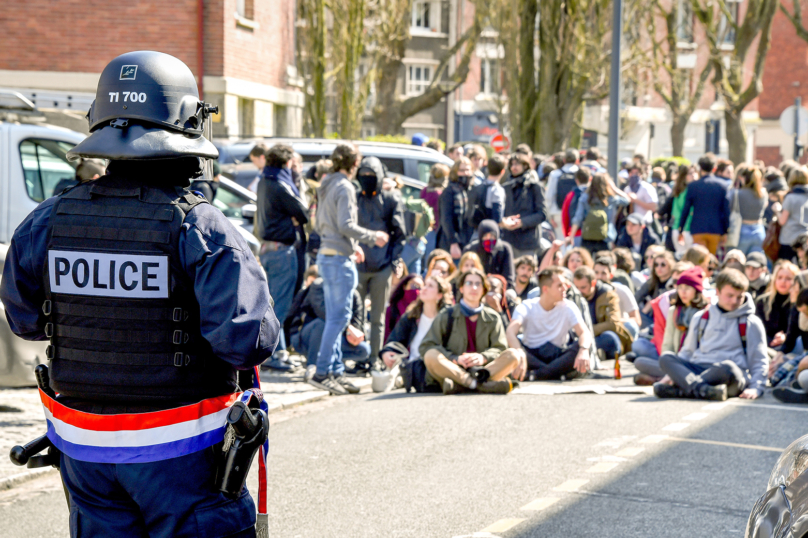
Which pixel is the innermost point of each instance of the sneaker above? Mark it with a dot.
(630, 356)
(347, 385)
(328, 383)
(450, 387)
(645, 380)
(495, 387)
(790, 395)
(276, 364)
(713, 392)
(662, 390)
(309, 373)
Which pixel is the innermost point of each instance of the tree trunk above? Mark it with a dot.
(678, 127)
(736, 136)
(526, 129)
(319, 33)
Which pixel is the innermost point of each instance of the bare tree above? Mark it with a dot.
(796, 18)
(391, 39)
(737, 84)
(349, 44)
(675, 85)
(312, 39)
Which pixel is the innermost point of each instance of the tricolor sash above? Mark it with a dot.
(150, 437)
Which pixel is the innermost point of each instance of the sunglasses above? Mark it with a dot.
(470, 284)
(663, 264)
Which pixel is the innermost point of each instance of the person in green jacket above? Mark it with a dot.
(687, 174)
(459, 363)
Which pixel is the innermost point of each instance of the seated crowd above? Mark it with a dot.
(641, 271)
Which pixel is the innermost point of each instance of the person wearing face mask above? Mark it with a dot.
(381, 210)
(403, 295)
(524, 207)
(495, 254)
(643, 195)
(454, 230)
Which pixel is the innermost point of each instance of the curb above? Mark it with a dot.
(17, 479)
(298, 400)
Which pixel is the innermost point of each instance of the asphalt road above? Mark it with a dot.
(522, 465)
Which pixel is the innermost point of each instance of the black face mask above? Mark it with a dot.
(464, 180)
(369, 184)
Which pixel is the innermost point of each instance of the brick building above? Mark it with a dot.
(241, 52)
(784, 79)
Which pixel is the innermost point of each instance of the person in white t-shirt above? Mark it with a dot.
(546, 351)
(645, 199)
(628, 304)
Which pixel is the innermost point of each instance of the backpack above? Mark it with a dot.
(576, 195)
(479, 213)
(566, 182)
(595, 226)
(705, 318)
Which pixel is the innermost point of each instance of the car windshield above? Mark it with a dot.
(230, 203)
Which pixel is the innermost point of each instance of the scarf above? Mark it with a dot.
(281, 175)
(468, 311)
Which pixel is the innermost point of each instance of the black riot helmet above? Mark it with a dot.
(146, 106)
(370, 175)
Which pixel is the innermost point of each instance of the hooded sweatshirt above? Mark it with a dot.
(500, 260)
(721, 341)
(336, 216)
(381, 210)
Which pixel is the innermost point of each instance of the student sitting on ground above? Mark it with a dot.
(629, 310)
(724, 353)
(757, 272)
(681, 305)
(546, 322)
(465, 349)
(525, 280)
(611, 336)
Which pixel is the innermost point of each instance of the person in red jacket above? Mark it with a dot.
(582, 178)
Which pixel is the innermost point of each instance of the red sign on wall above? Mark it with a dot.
(499, 143)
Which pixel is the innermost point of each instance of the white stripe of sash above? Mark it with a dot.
(134, 438)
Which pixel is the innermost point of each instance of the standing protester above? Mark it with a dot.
(582, 178)
(686, 175)
(90, 169)
(792, 216)
(524, 207)
(258, 156)
(208, 188)
(202, 284)
(378, 210)
(561, 183)
(453, 205)
(595, 214)
(280, 211)
(455, 152)
(438, 179)
(477, 156)
(339, 238)
(725, 171)
(487, 200)
(752, 202)
(707, 200)
(644, 200)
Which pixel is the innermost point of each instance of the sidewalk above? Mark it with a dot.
(22, 419)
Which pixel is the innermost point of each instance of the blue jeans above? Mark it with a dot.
(632, 328)
(308, 340)
(281, 268)
(752, 236)
(413, 253)
(609, 342)
(339, 282)
(647, 361)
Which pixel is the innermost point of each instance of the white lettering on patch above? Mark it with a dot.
(132, 276)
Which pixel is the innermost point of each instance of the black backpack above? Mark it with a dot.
(414, 373)
(566, 182)
(479, 212)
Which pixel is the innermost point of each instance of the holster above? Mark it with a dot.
(247, 430)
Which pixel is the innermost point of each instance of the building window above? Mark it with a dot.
(418, 79)
(425, 16)
(244, 9)
(488, 76)
(684, 22)
(726, 31)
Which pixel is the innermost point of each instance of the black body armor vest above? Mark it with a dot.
(123, 319)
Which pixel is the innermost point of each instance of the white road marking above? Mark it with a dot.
(630, 452)
(615, 459)
(722, 443)
(676, 427)
(571, 485)
(801, 408)
(696, 416)
(603, 467)
(503, 525)
(715, 406)
(616, 442)
(653, 439)
(541, 504)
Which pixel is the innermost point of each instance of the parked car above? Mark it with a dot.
(400, 159)
(32, 162)
(782, 512)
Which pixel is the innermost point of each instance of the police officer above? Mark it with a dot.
(152, 301)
